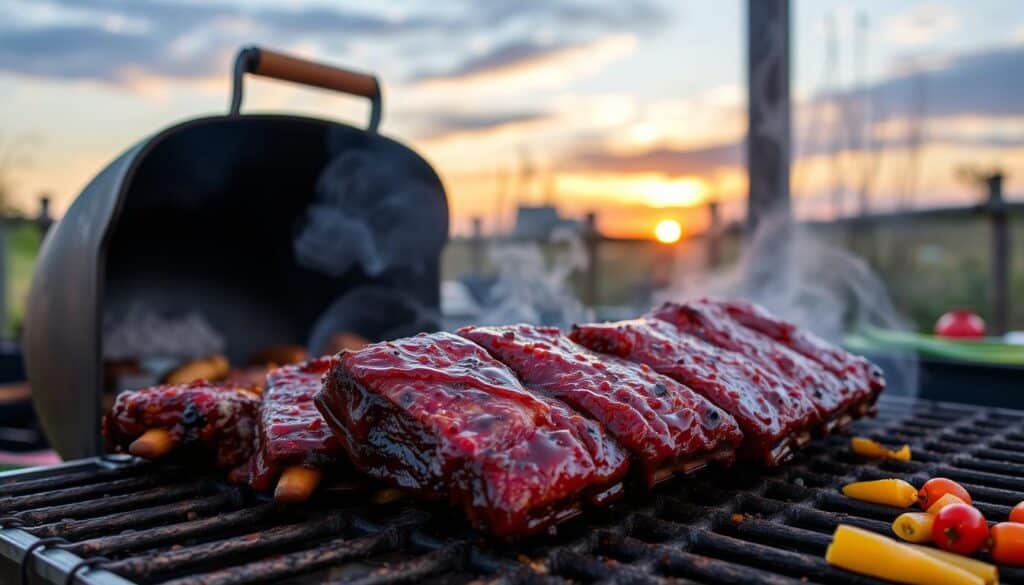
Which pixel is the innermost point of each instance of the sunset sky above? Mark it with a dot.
(633, 109)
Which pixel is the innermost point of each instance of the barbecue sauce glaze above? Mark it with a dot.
(212, 418)
(437, 415)
(291, 429)
(664, 424)
(840, 362)
(829, 393)
(770, 411)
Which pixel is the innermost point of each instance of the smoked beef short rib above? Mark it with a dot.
(667, 427)
(217, 420)
(435, 414)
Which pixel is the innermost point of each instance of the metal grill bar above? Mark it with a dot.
(108, 504)
(270, 540)
(12, 487)
(739, 525)
(449, 557)
(73, 529)
(33, 501)
(175, 533)
(332, 552)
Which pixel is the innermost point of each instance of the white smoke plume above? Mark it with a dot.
(810, 282)
(531, 289)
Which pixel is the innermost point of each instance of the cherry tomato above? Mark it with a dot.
(1006, 543)
(960, 323)
(1017, 513)
(960, 528)
(936, 487)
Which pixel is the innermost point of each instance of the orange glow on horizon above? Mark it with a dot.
(668, 231)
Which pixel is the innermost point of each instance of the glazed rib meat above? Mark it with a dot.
(862, 374)
(437, 415)
(665, 425)
(831, 396)
(291, 430)
(216, 420)
(773, 413)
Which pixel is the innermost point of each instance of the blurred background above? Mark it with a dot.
(593, 152)
(536, 114)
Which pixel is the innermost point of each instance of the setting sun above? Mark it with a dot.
(668, 231)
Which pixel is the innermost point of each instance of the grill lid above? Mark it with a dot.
(203, 218)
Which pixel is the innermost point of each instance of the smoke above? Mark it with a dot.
(142, 332)
(531, 289)
(366, 214)
(812, 283)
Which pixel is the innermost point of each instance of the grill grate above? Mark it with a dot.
(143, 523)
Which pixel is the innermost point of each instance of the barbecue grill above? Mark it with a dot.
(106, 521)
(201, 218)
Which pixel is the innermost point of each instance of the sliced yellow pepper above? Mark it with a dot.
(870, 448)
(874, 555)
(891, 492)
(988, 572)
(914, 526)
(945, 500)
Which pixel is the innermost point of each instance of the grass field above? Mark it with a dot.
(22, 247)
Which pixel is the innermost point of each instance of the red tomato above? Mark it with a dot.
(936, 487)
(1006, 543)
(960, 528)
(960, 323)
(1017, 513)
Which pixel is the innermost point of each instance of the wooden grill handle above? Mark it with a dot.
(267, 63)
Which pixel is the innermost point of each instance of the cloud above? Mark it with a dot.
(668, 161)
(970, 101)
(118, 40)
(964, 100)
(986, 83)
(81, 52)
(922, 24)
(502, 57)
(441, 125)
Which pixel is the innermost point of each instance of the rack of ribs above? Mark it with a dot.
(293, 442)
(837, 399)
(774, 414)
(216, 421)
(437, 415)
(666, 426)
(851, 368)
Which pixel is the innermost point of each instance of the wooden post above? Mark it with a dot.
(999, 277)
(591, 241)
(43, 219)
(768, 109)
(714, 235)
(476, 248)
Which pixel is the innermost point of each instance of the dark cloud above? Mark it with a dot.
(987, 83)
(503, 56)
(177, 39)
(79, 52)
(574, 24)
(440, 124)
(151, 36)
(674, 162)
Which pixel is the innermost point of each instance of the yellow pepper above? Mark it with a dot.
(945, 500)
(874, 555)
(988, 572)
(914, 526)
(870, 448)
(891, 492)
